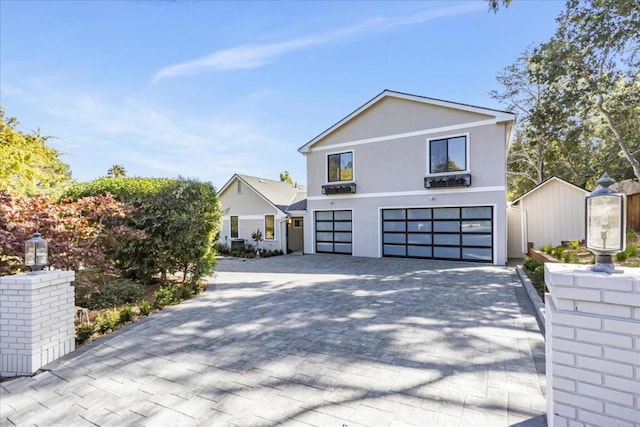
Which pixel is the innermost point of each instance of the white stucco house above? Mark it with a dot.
(275, 208)
(410, 176)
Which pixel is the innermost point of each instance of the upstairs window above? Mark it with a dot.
(269, 227)
(234, 227)
(340, 167)
(448, 154)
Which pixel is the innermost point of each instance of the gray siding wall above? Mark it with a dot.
(401, 164)
(393, 116)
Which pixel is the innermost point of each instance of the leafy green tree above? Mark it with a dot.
(494, 5)
(284, 177)
(592, 64)
(117, 171)
(180, 219)
(29, 167)
(577, 97)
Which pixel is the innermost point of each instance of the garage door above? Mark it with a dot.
(460, 233)
(333, 232)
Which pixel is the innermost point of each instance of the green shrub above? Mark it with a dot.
(170, 295)
(632, 250)
(126, 314)
(108, 321)
(570, 258)
(145, 308)
(530, 263)
(84, 331)
(575, 244)
(221, 248)
(115, 293)
(547, 249)
(177, 220)
(184, 293)
(623, 256)
(557, 252)
(537, 276)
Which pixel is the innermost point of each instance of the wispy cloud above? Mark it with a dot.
(95, 130)
(253, 56)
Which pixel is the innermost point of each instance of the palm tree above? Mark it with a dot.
(117, 171)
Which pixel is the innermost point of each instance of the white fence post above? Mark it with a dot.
(592, 346)
(36, 320)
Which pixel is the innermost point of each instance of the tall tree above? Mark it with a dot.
(592, 64)
(284, 177)
(29, 166)
(117, 171)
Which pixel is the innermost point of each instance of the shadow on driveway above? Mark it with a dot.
(310, 340)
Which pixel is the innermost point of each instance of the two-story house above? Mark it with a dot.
(410, 176)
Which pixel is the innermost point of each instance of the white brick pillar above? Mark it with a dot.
(592, 346)
(36, 320)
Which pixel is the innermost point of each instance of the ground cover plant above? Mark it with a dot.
(575, 252)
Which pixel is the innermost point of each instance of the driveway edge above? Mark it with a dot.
(538, 305)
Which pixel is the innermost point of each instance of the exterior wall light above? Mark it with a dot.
(606, 224)
(36, 252)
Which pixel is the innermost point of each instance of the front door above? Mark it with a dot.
(295, 236)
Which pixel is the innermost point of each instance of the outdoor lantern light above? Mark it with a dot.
(36, 252)
(606, 224)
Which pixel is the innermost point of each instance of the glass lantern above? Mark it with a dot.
(36, 252)
(606, 224)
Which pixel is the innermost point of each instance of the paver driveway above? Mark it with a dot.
(310, 340)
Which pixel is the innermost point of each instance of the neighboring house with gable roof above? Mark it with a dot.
(550, 213)
(410, 176)
(275, 208)
(631, 188)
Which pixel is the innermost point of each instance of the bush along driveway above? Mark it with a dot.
(313, 340)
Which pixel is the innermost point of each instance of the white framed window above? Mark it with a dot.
(269, 227)
(340, 166)
(448, 155)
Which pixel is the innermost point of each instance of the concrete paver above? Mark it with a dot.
(310, 341)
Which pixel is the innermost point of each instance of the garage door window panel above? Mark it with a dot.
(477, 226)
(419, 251)
(398, 238)
(476, 254)
(476, 240)
(419, 226)
(419, 239)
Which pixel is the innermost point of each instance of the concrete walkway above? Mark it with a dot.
(310, 341)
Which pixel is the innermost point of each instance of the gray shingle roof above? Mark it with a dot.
(283, 195)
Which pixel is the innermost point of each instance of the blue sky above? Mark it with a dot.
(203, 89)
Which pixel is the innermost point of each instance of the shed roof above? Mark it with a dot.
(545, 182)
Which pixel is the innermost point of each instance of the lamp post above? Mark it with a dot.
(36, 252)
(606, 224)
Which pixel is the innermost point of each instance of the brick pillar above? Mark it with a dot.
(36, 320)
(592, 346)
